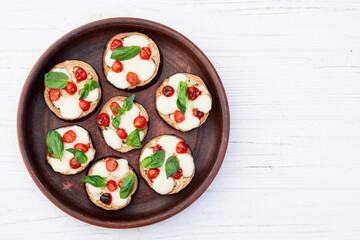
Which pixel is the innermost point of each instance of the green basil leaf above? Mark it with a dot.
(55, 144)
(127, 106)
(127, 186)
(155, 160)
(133, 139)
(89, 86)
(182, 96)
(79, 155)
(128, 103)
(116, 121)
(125, 53)
(95, 180)
(171, 166)
(57, 80)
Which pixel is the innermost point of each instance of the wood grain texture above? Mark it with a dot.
(291, 72)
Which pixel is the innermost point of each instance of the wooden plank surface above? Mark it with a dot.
(291, 70)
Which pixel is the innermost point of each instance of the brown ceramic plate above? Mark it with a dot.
(208, 143)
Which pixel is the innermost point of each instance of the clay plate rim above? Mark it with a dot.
(214, 77)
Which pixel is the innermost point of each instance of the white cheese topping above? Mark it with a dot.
(123, 168)
(100, 169)
(167, 105)
(162, 184)
(112, 139)
(116, 200)
(143, 68)
(82, 136)
(69, 104)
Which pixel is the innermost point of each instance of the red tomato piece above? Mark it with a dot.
(71, 88)
(84, 105)
(74, 164)
(179, 116)
(121, 133)
(117, 66)
(193, 92)
(111, 185)
(81, 146)
(106, 198)
(50, 154)
(80, 74)
(54, 94)
(120, 182)
(145, 53)
(132, 78)
(197, 113)
(114, 105)
(178, 174)
(69, 136)
(116, 43)
(157, 148)
(111, 165)
(103, 119)
(181, 147)
(140, 122)
(168, 91)
(153, 173)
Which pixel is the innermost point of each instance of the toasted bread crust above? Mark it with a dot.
(155, 56)
(71, 66)
(80, 169)
(179, 183)
(97, 201)
(193, 81)
(124, 148)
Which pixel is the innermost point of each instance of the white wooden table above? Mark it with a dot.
(291, 70)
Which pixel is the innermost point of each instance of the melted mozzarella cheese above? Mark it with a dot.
(122, 170)
(143, 68)
(82, 136)
(168, 143)
(136, 40)
(187, 164)
(94, 190)
(100, 169)
(162, 184)
(167, 105)
(203, 103)
(127, 119)
(112, 139)
(93, 95)
(146, 152)
(116, 200)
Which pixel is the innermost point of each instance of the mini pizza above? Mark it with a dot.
(131, 60)
(70, 149)
(110, 183)
(183, 101)
(166, 164)
(123, 123)
(72, 89)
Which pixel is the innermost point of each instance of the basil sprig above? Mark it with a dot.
(125, 53)
(127, 186)
(57, 80)
(133, 139)
(154, 160)
(171, 166)
(79, 155)
(127, 106)
(55, 144)
(182, 96)
(89, 86)
(95, 180)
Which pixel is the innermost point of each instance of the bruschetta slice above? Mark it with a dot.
(72, 89)
(110, 183)
(166, 164)
(70, 149)
(183, 101)
(131, 60)
(123, 123)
